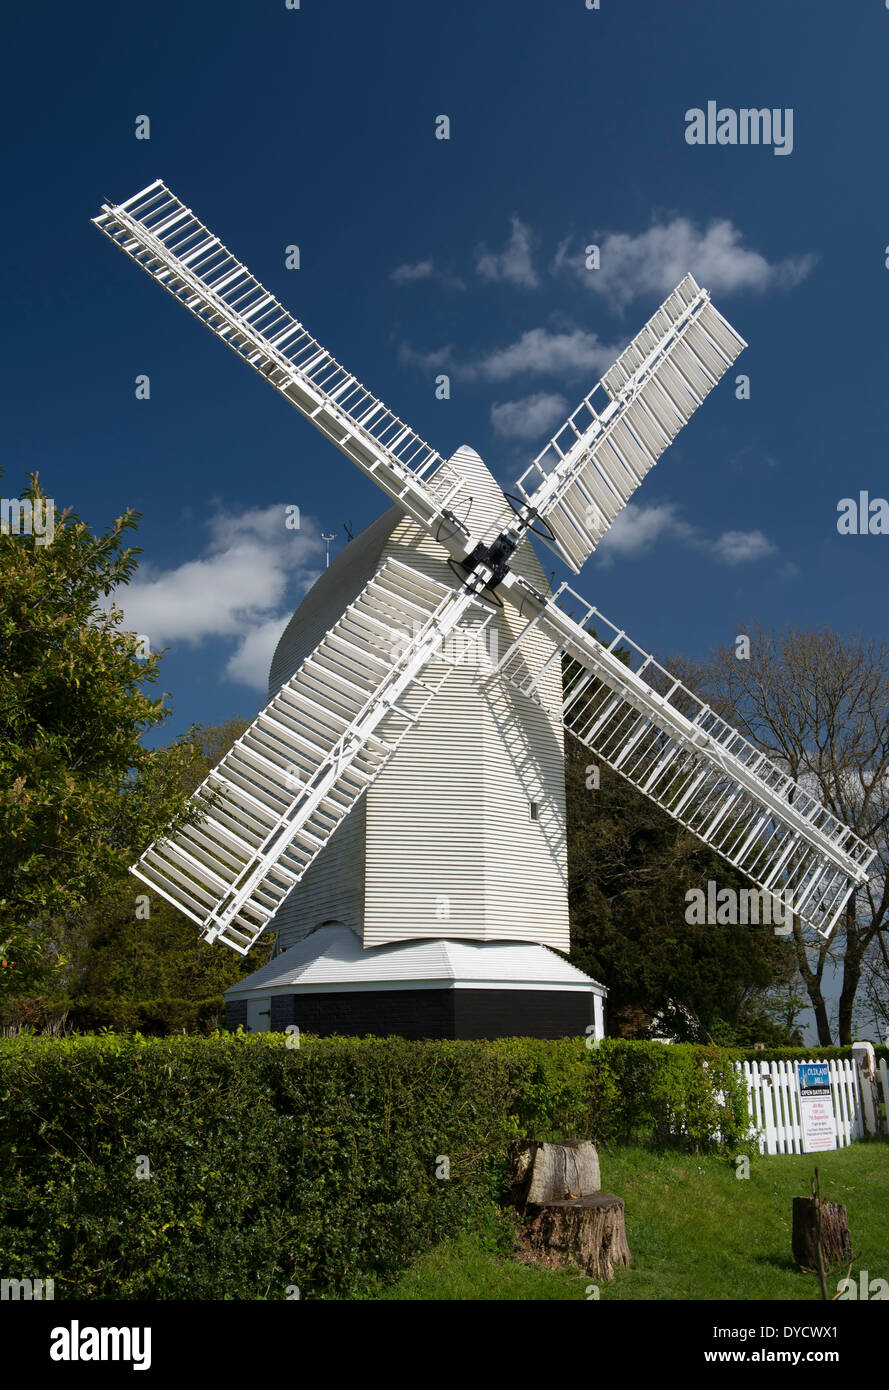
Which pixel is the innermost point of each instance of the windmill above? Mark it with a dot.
(397, 810)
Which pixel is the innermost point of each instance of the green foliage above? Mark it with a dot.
(130, 960)
(815, 1052)
(313, 1166)
(155, 1017)
(77, 786)
(270, 1167)
(561, 1090)
(116, 955)
(674, 1093)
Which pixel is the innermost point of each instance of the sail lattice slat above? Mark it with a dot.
(171, 244)
(589, 470)
(273, 802)
(640, 720)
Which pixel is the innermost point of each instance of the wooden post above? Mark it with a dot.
(820, 1237)
(868, 1088)
(550, 1172)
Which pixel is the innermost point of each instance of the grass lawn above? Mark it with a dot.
(694, 1229)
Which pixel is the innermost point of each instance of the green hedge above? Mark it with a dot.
(313, 1167)
(155, 1017)
(800, 1054)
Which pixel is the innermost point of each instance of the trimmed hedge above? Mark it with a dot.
(154, 1017)
(800, 1054)
(317, 1167)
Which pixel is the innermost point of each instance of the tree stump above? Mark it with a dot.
(586, 1231)
(836, 1243)
(566, 1219)
(552, 1172)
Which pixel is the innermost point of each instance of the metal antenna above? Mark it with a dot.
(327, 540)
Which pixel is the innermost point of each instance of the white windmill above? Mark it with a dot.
(397, 811)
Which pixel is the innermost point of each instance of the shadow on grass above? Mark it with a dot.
(786, 1263)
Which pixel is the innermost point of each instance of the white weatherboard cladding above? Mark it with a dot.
(442, 844)
(451, 847)
(333, 591)
(332, 889)
(482, 506)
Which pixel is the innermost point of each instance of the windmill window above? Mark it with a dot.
(534, 810)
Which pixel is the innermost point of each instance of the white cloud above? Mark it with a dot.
(739, 547)
(249, 663)
(541, 352)
(411, 272)
(637, 529)
(530, 417)
(427, 361)
(654, 261)
(418, 270)
(251, 573)
(538, 352)
(512, 265)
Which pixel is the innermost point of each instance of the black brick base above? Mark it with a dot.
(235, 1013)
(429, 1013)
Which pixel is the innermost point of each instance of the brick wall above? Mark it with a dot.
(235, 1013)
(429, 1013)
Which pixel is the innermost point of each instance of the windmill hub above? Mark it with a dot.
(488, 565)
(420, 803)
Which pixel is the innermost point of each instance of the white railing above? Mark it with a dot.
(774, 1105)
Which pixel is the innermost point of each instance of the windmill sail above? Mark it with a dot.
(645, 724)
(165, 238)
(593, 465)
(277, 796)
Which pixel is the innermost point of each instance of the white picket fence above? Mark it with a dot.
(774, 1104)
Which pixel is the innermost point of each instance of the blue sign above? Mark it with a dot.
(814, 1079)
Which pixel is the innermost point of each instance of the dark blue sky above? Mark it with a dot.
(316, 127)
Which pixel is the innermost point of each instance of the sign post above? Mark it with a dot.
(816, 1107)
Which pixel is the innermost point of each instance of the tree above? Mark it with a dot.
(876, 983)
(78, 787)
(132, 944)
(818, 704)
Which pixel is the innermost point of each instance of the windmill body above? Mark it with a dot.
(403, 788)
(443, 842)
(461, 838)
